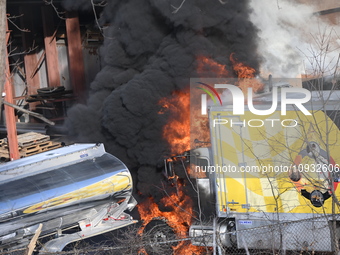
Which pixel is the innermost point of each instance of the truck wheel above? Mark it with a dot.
(155, 233)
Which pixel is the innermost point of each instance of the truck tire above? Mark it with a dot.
(49, 91)
(155, 233)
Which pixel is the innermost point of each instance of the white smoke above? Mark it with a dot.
(293, 39)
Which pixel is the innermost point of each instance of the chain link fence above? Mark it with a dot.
(318, 235)
(314, 236)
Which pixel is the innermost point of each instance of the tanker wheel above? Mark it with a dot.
(155, 233)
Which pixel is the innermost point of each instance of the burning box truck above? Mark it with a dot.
(271, 180)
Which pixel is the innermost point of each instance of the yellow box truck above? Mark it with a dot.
(272, 179)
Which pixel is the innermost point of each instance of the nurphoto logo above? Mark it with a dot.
(238, 99)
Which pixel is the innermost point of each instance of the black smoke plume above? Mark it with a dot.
(151, 50)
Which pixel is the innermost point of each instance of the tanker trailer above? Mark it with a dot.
(79, 188)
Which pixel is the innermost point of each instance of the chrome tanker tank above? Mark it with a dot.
(75, 186)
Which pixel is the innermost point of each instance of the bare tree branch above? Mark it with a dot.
(177, 8)
(101, 4)
(34, 114)
(59, 14)
(10, 19)
(180, 6)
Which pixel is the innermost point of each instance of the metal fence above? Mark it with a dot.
(318, 235)
(309, 236)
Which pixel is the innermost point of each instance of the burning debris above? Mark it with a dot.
(175, 210)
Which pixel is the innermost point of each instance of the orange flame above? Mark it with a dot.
(242, 70)
(195, 174)
(246, 74)
(179, 218)
(177, 133)
(208, 65)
